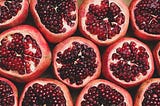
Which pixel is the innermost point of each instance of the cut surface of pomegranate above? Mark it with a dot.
(156, 54)
(149, 93)
(128, 62)
(145, 18)
(101, 92)
(103, 21)
(8, 92)
(76, 61)
(45, 92)
(56, 19)
(13, 12)
(24, 53)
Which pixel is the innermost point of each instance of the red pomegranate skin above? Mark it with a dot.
(107, 59)
(50, 36)
(18, 19)
(156, 55)
(45, 59)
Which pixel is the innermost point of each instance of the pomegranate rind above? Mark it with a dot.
(50, 36)
(19, 18)
(64, 45)
(83, 9)
(44, 61)
(14, 89)
(157, 57)
(107, 59)
(140, 33)
(124, 92)
(43, 81)
(141, 90)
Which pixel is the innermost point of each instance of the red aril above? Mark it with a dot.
(13, 12)
(76, 61)
(8, 92)
(101, 92)
(24, 53)
(45, 92)
(103, 21)
(156, 54)
(128, 62)
(145, 18)
(56, 19)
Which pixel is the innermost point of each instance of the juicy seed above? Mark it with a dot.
(147, 15)
(9, 9)
(6, 95)
(130, 62)
(44, 95)
(78, 62)
(103, 95)
(19, 53)
(53, 14)
(152, 95)
(104, 21)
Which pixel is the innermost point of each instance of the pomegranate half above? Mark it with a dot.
(156, 54)
(76, 61)
(56, 19)
(24, 53)
(101, 92)
(13, 12)
(8, 92)
(145, 18)
(149, 93)
(103, 21)
(128, 62)
(45, 92)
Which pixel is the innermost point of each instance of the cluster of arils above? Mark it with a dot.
(98, 61)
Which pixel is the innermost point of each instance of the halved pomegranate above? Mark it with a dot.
(128, 62)
(101, 92)
(13, 12)
(76, 61)
(45, 92)
(24, 53)
(156, 54)
(8, 93)
(56, 19)
(145, 18)
(149, 93)
(103, 21)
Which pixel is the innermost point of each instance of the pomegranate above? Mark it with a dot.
(8, 92)
(156, 54)
(145, 18)
(128, 62)
(45, 92)
(13, 12)
(149, 93)
(24, 53)
(76, 61)
(103, 21)
(56, 19)
(101, 92)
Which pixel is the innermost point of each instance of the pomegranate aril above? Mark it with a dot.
(102, 95)
(78, 62)
(47, 94)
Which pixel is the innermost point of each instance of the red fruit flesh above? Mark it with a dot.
(101, 92)
(76, 61)
(45, 92)
(24, 54)
(8, 92)
(56, 19)
(149, 93)
(156, 54)
(13, 12)
(145, 18)
(103, 21)
(128, 62)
